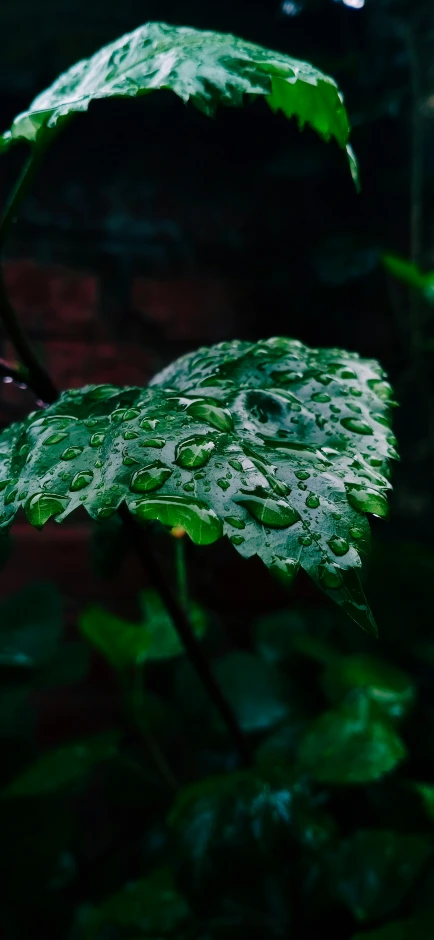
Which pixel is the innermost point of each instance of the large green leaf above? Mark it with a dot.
(373, 870)
(280, 447)
(151, 905)
(350, 745)
(64, 765)
(205, 68)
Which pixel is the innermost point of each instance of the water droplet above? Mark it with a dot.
(23, 451)
(302, 474)
(149, 424)
(199, 521)
(235, 464)
(93, 422)
(105, 512)
(286, 377)
(375, 461)
(381, 389)
(330, 576)
(237, 539)
(321, 397)
(355, 392)
(223, 484)
(127, 460)
(130, 435)
(130, 414)
(10, 497)
(236, 522)
(118, 414)
(103, 391)
(347, 374)
(158, 442)
(338, 545)
(41, 506)
(55, 438)
(81, 479)
(96, 440)
(356, 533)
(355, 408)
(217, 417)
(312, 501)
(188, 487)
(98, 464)
(301, 486)
(150, 478)
(305, 540)
(3, 484)
(356, 425)
(324, 378)
(336, 515)
(367, 500)
(194, 451)
(275, 513)
(335, 410)
(199, 475)
(285, 569)
(71, 452)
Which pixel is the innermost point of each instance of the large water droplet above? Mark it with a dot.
(188, 487)
(356, 533)
(149, 424)
(305, 540)
(199, 521)
(217, 417)
(71, 452)
(150, 478)
(41, 506)
(355, 408)
(367, 500)
(381, 389)
(118, 414)
(81, 479)
(275, 513)
(10, 497)
(55, 438)
(96, 440)
(103, 391)
(223, 484)
(302, 474)
(338, 545)
(347, 374)
(157, 442)
(235, 464)
(356, 425)
(236, 522)
(312, 501)
(130, 435)
(321, 397)
(194, 451)
(285, 569)
(330, 576)
(237, 539)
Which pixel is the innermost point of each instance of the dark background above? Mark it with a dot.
(151, 229)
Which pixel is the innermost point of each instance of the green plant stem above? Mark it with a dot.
(181, 573)
(138, 711)
(37, 378)
(139, 540)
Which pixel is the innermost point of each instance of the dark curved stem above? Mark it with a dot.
(37, 378)
(193, 649)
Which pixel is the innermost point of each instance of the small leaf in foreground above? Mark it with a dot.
(373, 870)
(259, 695)
(350, 745)
(62, 766)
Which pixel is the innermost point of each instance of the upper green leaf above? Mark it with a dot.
(280, 447)
(205, 68)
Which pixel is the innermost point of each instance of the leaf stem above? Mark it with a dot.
(37, 378)
(193, 649)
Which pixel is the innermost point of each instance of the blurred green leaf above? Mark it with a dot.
(274, 634)
(62, 766)
(151, 905)
(388, 687)
(69, 666)
(409, 273)
(350, 745)
(240, 838)
(16, 714)
(281, 747)
(127, 644)
(373, 870)
(31, 625)
(259, 694)
(158, 624)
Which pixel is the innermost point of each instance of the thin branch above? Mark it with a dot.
(37, 378)
(193, 649)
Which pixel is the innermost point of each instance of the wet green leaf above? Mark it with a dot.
(62, 766)
(151, 905)
(351, 745)
(288, 482)
(207, 69)
(374, 870)
(31, 624)
(388, 687)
